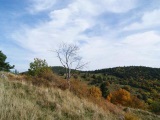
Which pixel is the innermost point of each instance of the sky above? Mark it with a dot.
(109, 33)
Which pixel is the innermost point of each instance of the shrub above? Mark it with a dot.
(155, 107)
(128, 88)
(78, 88)
(137, 103)
(37, 67)
(104, 89)
(124, 97)
(45, 73)
(95, 92)
(4, 66)
(120, 96)
(75, 76)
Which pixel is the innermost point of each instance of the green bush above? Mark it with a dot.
(37, 67)
(4, 66)
(155, 106)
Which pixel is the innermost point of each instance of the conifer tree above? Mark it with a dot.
(4, 66)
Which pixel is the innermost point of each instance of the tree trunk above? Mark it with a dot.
(68, 75)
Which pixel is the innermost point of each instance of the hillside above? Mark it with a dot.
(142, 82)
(61, 70)
(24, 98)
(23, 101)
(58, 69)
(134, 72)
(129, 72)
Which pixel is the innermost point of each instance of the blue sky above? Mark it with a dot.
(110, 33)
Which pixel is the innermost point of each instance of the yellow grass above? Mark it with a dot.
(20, 101)
(25, 98)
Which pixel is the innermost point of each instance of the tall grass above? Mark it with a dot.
(145, 115)
(78, 88)
(20, 101)
(32, 98)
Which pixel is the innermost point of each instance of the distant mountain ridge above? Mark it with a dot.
(129, 72)
(60, 69)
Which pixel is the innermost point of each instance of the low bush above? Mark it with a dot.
(155, 107)
(95, 92)
(124, 98)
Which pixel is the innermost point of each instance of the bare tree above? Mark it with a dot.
(69, 58)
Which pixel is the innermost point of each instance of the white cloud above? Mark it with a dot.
(90, 6)
(41, 5)
(116, 6)
(65, 24)
(137, 49)
(145, 39)
(141, 48)
(69, 23)
(148, 20)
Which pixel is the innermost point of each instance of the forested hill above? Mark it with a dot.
(142, 82)
(129, 72)
(135, 72)
(60, 70)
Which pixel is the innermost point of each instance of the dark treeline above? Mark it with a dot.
(134, 72)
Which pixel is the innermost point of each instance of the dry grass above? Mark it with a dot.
(78, 88)
(145, 115)
(20, 101)
(130, 116)
(31, 98)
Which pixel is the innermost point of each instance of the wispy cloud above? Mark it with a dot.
(106, 30)
(41, 5)
(148, 20)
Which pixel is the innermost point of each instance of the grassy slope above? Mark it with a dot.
(145, 115)
(19, 101)
(24, 101)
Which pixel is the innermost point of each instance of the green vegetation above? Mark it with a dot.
(142, 82)
(38, 67)
(155, 106)
(58, 70)
(89, 96)
(61, 70)
(4, 66)
(104, 89)
(35, 97)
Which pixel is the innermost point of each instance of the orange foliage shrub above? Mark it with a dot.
(120, 96)
(137, 103)
(95, 92)
(124, 97)
(78, 88)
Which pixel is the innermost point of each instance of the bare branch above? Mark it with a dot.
(68, 56)
(62, 62)
(81, 66)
